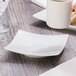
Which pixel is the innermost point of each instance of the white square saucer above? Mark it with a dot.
(36, 45)
(67, 68)
(42, 3)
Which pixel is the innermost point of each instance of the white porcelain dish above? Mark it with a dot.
(67, 68)
(42, 3)
(37, 46)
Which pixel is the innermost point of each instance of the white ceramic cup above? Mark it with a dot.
(59, 13)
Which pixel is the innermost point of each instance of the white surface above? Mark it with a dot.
(74, 1)
(42, 16)
(43, 3)
(58, 14)
(36, 45)
(66, 69)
